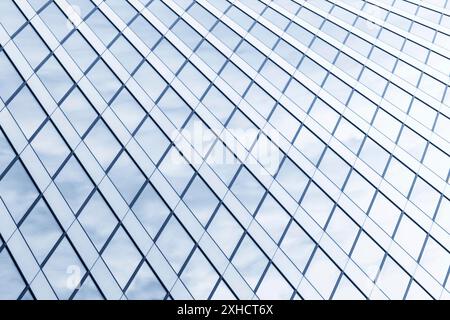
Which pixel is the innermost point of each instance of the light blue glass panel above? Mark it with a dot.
(50, 147)
(102, 144)
(9, 78)
(128, 110)
(104, 80)
(31, 46)
(11, 18)
(74, 184)
(6, 153)
(201, 200)
(41, 231)
(17, 191)
(152, 140)
(145, 286)
(97, 220)
(79, 111)
(27, 112)
(250, 261)
(175, 244)
(126, 177)
(64, 270)
(79, 49)
(13, 284)
(122, 257)
(199, 276)
(248, 190)
(102, 27)
(55, 78)
(151, 210)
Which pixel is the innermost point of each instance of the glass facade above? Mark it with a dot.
(224, 149)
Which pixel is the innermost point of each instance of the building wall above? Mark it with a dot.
(215, 149)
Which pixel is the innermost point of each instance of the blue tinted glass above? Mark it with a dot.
(224, 149)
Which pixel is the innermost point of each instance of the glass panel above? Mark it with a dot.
(97, 220)
(60, 265)
(17, 191)
(41, 231)
(122, 257)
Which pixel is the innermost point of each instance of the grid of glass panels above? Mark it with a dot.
(224, 149)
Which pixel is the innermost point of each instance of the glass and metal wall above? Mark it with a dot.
(224, 149)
